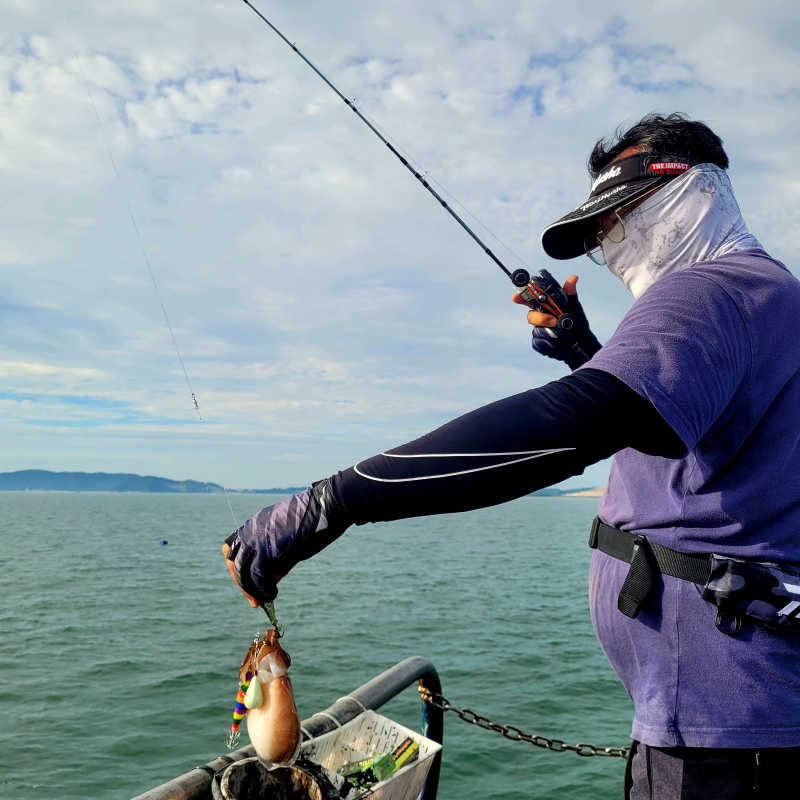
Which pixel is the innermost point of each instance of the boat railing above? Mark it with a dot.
(196, 784)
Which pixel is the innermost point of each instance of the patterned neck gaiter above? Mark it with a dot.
(693, 218)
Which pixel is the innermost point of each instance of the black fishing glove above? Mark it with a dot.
(574, 346)
(278, 537)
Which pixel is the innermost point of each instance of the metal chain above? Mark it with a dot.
(516, 735)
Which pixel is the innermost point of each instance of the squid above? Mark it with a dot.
(267, 700)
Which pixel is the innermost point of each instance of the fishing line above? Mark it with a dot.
(138, 236)
(149, 267)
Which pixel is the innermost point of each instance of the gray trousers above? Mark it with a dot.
(706, 773)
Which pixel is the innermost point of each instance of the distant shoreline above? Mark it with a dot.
(140, 491)
(39, 480)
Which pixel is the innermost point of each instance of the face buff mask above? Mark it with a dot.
(693, 218)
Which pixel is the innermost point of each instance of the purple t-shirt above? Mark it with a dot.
(716, 348)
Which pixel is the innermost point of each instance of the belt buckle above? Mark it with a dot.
(595, 532)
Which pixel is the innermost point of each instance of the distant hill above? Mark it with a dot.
(41, 480)
(44, 481)
(586, 492)
(598, 491)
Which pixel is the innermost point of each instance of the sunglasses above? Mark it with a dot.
(593, 244)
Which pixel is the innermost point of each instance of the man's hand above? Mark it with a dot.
(272, 542)
(551, 341)
(250, 599)
(268, 545)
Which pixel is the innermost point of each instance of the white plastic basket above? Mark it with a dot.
(369, 735)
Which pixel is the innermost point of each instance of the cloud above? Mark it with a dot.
(18, 369)
(325, 307)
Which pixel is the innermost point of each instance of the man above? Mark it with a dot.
(697, 395)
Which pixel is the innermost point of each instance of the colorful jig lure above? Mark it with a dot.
(239, 709)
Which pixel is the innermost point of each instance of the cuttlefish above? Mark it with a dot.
(273, 723)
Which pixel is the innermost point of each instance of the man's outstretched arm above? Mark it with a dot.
(494, 454)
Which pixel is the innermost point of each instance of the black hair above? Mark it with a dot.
(673, 135)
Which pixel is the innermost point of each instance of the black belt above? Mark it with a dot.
(647, 560)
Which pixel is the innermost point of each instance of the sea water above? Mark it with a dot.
(119, 657)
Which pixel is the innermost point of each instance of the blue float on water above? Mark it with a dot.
(163, 542)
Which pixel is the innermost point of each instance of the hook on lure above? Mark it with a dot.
(269, 610)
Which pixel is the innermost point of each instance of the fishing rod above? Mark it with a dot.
(541, 290)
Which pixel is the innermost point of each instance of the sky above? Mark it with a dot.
(325, 307)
